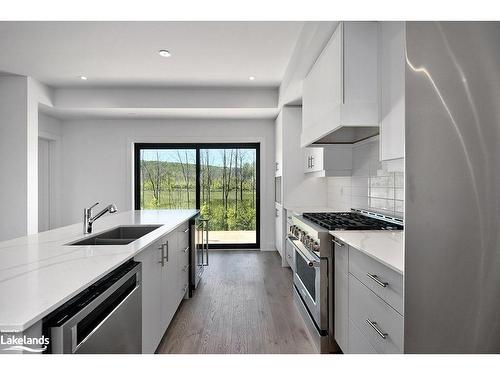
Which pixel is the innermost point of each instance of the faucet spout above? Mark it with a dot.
(88, 219)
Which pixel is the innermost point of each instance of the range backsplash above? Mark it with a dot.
(371, 186)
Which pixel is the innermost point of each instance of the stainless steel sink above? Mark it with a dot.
(122, 235)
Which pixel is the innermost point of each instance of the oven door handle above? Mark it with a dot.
(311, 262)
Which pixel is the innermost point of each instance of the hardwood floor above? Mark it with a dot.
(244, 304)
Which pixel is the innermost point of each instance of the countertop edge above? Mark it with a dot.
(368, 253)
(20, 327)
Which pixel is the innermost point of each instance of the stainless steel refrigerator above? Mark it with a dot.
(452, 223)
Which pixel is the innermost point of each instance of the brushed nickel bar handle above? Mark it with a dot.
(337, 243)
(374, 326)
(162, 261)
(186, 230)
(206, 242)
(375, 278)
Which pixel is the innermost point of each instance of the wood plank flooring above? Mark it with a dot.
(244, 304)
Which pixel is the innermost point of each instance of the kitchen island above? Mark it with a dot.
(40, 272)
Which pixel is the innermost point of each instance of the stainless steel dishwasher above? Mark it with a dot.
(103, 319)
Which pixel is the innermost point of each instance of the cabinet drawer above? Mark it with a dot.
(366, 306)
(183, 283)
(184, 256)
(289, 253)
(183, 236)
(361, 266)
(184, 275)
(358, 344)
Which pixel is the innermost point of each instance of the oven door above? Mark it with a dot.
(307, 280)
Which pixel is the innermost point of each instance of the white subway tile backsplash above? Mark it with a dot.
(382, 204)
(399, 179)
(399, 193)
(399, 206)
(370, 186)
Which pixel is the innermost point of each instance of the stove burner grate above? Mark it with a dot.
(349, 221)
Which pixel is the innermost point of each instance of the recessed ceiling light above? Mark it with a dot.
(251, 78)
(83, 78)
(164, 53)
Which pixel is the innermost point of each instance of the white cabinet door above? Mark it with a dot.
(169, 281)
(182, 262)
(307, 152)
(342, 88)
(329, 160)
(341, 314)
(313, 159)
(392, 90)
(278, 140)
(322, 91)
(279, 229)
(152, 331)
(164, 284)
(317, 159)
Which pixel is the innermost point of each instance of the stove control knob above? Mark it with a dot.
(315, 246)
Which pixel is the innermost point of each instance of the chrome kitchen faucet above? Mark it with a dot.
(88, 220)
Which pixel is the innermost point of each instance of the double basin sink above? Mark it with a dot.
(121, 235)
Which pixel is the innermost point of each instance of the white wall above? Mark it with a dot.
(50, 130)
(49, 126)
(97, 158)
(13, 156)
(371, 186)
(19, 100)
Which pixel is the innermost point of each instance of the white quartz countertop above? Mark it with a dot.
(39, 273)
(385, 246)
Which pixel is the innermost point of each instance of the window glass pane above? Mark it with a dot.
(168, 178)
(228, 194)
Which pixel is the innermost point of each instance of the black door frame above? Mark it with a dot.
(197, 147)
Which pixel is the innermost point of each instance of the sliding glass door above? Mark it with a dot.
(222, 180)
(167, 178)
(228, 184)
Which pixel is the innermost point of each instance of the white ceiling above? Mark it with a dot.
(125, 53)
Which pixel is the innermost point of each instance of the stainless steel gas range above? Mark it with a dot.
(313, 262)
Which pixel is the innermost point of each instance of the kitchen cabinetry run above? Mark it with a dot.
(278, 137)
(368, 303)
(392, 89)
(327, 161)
(341, 89)
(164, 284)
(292, 187)
(279, 230)
(341, 282)
(151, 292)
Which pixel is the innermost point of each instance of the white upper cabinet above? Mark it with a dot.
(392, 90)
(278, 136)
(329, 160)
(341, 89)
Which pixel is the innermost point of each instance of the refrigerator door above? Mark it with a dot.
(452, 223)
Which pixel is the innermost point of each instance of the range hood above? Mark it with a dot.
(348, 135)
